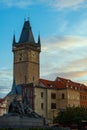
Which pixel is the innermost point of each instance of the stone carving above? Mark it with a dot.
(21, 108)
(15, 107)
(20, 115)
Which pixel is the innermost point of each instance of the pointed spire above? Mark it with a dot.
(39, 41)
(14, 41)
(26, 34)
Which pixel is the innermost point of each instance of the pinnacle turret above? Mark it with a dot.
(39, 41)
(14, 41)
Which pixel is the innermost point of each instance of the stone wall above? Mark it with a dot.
(20, 122)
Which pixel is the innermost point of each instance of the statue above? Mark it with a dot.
(20, 115)
(15, 107)
(21, 108)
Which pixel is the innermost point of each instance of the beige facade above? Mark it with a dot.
(68, 98)
(44, 101)
(49, 101)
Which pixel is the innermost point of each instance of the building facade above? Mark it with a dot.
(54, 96)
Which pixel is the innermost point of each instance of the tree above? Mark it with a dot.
(72, 115)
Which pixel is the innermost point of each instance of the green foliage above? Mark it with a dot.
(72, 115)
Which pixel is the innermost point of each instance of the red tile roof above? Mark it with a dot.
(61, 83)
(52, 84)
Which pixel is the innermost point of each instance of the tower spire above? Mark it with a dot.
(26, 34)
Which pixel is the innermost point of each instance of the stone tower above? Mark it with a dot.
(26, 51)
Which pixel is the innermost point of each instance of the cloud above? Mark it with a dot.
(63, 4)
(68, 4)
(57, 4)
(70, 75)
(16, 3)
(64, 42)
(81, 28)
(6, 79)
(64, 56)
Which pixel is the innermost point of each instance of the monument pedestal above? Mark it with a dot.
(20, 122)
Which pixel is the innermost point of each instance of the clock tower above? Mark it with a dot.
(26, 51)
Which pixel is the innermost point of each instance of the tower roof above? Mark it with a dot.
(26, 34)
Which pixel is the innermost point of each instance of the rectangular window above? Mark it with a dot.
(63, 96)
(41, 94)
(53, 105)
(53, 95)
(42, 105)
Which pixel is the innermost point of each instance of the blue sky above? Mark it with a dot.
(63, 28)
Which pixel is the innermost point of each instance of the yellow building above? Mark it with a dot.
(54, 96)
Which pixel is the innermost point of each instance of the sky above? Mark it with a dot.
(62, 25)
